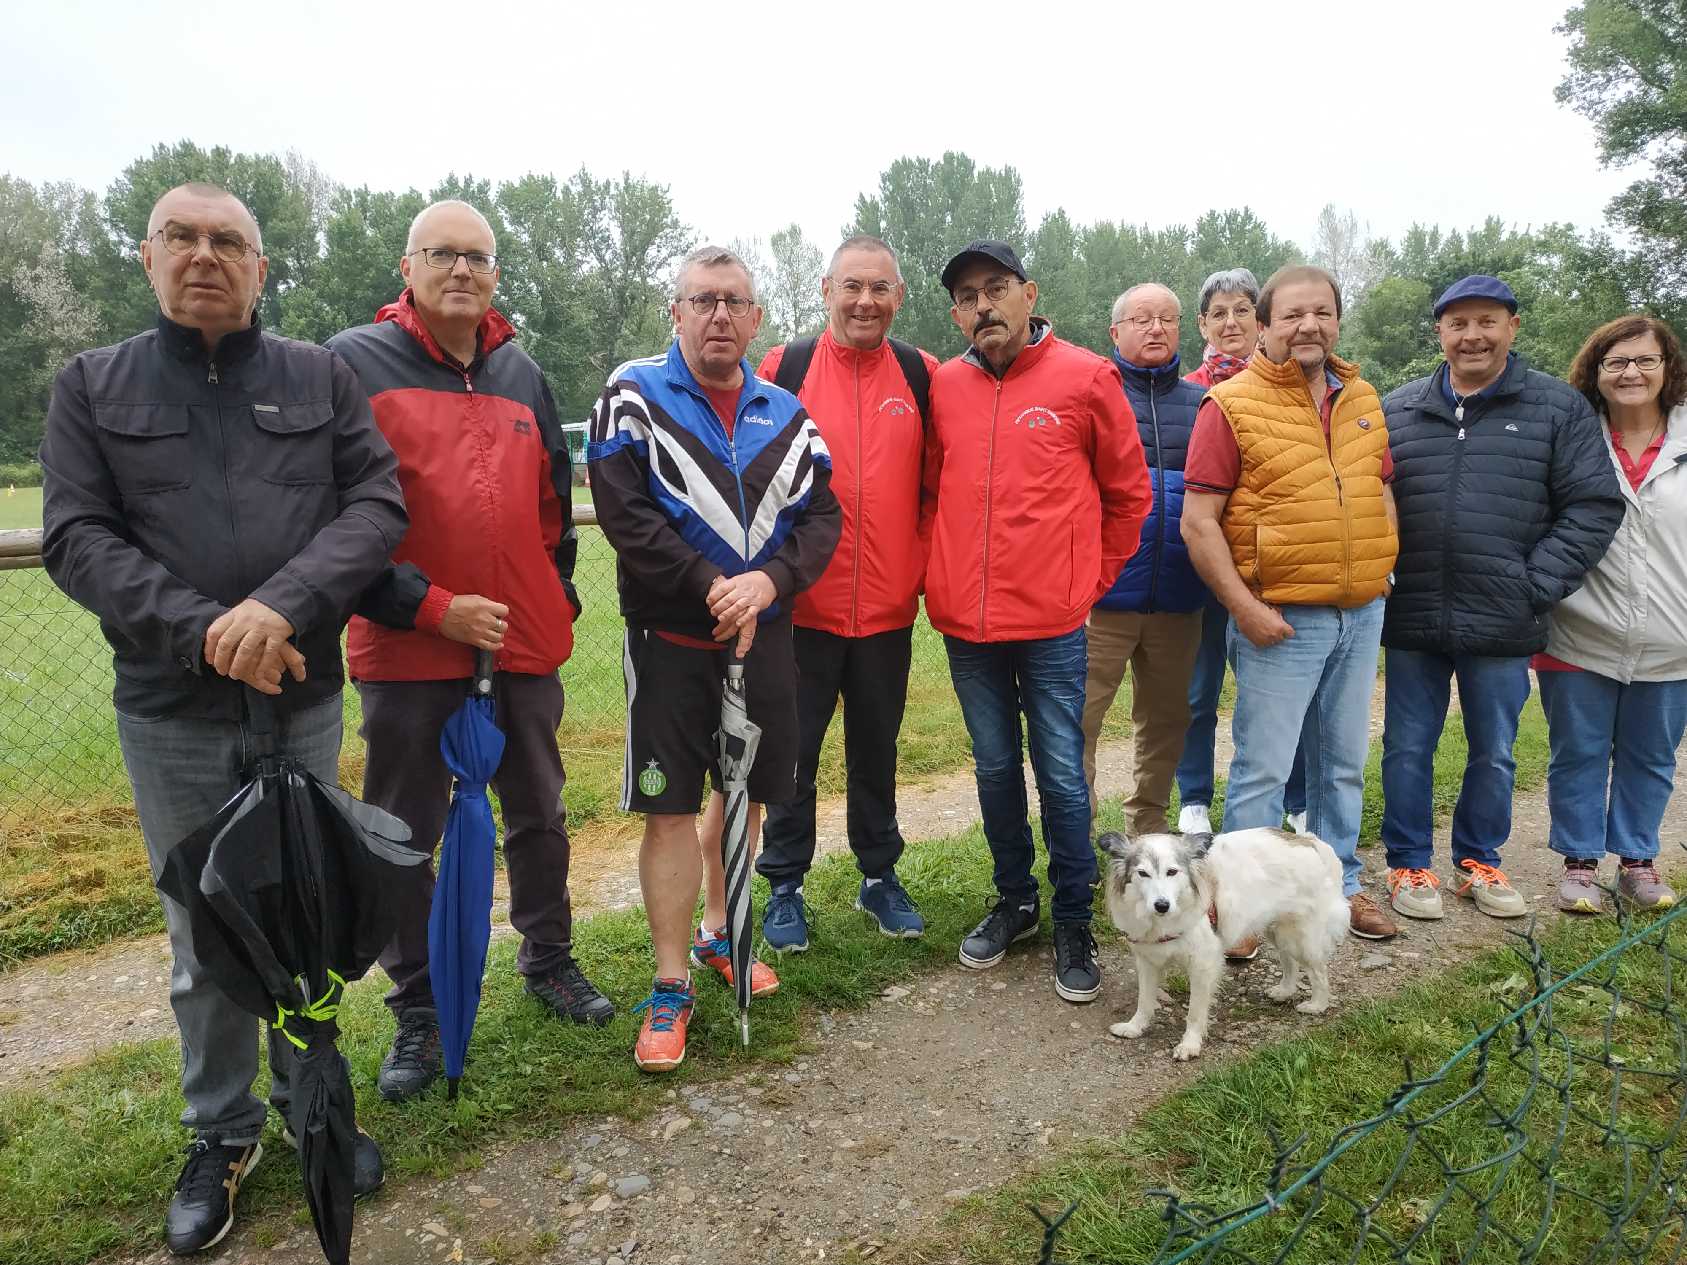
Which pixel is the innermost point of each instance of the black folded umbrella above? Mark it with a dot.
(283, 890)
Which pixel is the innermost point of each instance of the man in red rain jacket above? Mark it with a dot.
(1035, 491)
(853, 631)
(488, 565)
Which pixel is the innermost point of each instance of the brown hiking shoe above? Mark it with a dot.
(1367, 921)
(1244, 950)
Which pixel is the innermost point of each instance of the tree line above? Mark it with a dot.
(587, 261)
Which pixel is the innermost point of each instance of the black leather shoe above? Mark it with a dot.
(415, 1060)
(568, 994)
(202, 1211)
(1009, 919)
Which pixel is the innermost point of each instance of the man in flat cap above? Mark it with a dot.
(1506, 497)
(1035, 491)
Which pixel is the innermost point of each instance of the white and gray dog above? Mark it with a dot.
(1270, 883)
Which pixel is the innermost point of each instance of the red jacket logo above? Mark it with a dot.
(896, 406)
(1036, 416)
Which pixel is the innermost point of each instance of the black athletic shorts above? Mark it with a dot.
(673, 718)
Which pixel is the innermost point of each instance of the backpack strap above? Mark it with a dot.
(793, 365)
(914, 369)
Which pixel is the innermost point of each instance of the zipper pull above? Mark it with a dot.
(211, 377)
(468, 384)
(1461, 429)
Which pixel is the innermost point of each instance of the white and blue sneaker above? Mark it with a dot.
(891, 907)
(785, 923)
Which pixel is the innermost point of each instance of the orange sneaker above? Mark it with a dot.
(710, 949)
(1488, 886)
(661, 1041)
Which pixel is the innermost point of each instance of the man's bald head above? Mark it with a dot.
(198, 191)
(451, 209)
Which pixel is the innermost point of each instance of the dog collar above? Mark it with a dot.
(1161, 940)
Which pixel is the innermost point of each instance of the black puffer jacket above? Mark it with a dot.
(1500, 515)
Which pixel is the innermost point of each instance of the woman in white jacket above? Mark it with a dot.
(1613, 679)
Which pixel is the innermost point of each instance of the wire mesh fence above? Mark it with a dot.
(1558, 1135)
(58, 737)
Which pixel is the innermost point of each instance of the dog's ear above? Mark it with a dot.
(1198, 844)
(1116, 846)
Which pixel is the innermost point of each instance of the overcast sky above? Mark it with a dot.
(1438, 111)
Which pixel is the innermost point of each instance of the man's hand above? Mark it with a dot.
(735, 601)
(475, 621)
(249, 643)
(1261, 624)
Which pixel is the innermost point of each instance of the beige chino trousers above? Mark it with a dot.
(1160, 651)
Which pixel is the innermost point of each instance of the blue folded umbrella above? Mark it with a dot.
(460, 922)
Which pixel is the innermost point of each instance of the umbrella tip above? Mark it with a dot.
(744, 1027)
(451, 1086)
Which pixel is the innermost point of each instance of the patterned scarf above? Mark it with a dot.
(1219, 366)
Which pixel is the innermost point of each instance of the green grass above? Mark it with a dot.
(1210, 1144)
(19, 508)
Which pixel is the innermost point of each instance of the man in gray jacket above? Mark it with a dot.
(219, 497)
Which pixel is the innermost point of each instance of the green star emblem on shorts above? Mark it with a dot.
(652, 781)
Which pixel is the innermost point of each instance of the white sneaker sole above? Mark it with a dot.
(1422, 912)
(984, 964)
(913, 933)
(1076, 995)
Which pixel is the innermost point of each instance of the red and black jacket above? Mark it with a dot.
(486, 476)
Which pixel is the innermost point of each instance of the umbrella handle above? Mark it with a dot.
(260, 722)
(485, 664)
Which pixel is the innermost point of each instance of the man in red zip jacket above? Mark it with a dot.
(1035, 491)
(853, 631)
(488, 565)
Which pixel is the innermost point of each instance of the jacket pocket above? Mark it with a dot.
(145, 445)
(293, 444)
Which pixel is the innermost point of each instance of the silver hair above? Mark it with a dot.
(864, 241)
(416, 224)
(711, 257)
(1228, 281)
(1120, 303)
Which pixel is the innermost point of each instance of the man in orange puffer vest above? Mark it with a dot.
(1289, 520)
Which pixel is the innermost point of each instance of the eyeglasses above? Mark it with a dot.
(444, 257)
(855, 289)
(1219, 315)
(179, 239)
(1145, 322)
(1614, 365)
(704, 304)
(995, 290)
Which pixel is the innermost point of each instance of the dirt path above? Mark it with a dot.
(60, 1010)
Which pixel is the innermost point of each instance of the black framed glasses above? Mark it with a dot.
(444, 258)
(705, 304)
(996, 289)
(1614, 365)
(227, 245)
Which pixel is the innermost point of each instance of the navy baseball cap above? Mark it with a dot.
(1477, 287)
(996, 252)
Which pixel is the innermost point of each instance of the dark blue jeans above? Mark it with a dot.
(996, 682)
(1195, 769)
(1492, 692)
(1613, 762)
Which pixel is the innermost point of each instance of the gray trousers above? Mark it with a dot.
(183, 770)
(406, 775)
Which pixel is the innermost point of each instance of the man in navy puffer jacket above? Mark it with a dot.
(1150, 619)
